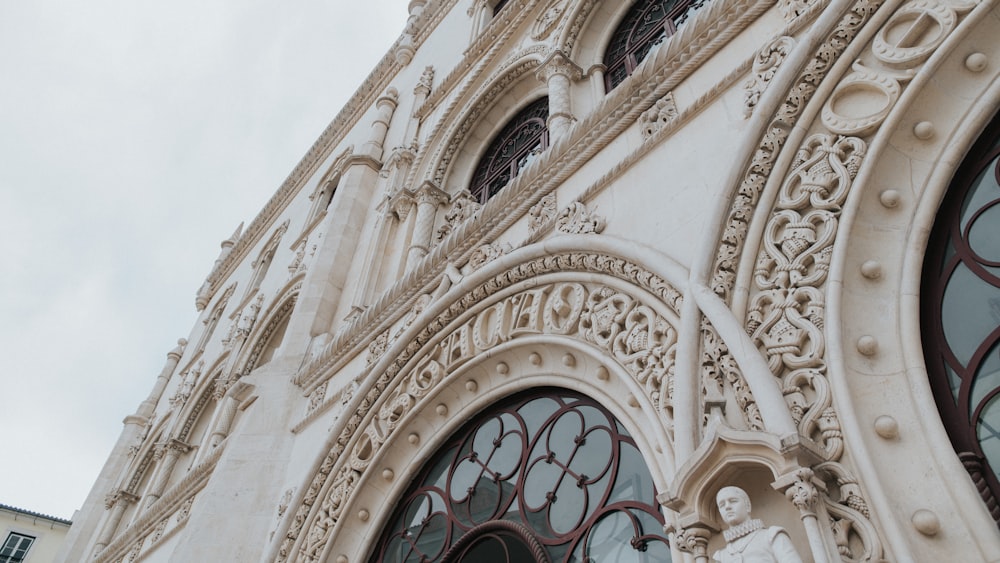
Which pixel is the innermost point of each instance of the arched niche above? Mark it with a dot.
(549, 305)
(269, 330)
(471, 122)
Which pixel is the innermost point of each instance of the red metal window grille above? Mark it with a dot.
(646, 24)
(520, 141)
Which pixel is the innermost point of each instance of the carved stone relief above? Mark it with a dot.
(541, 213)
(577, 219)
(765, 65)
(620, 324)
(655, 118)
(486, 253)
(463, 207)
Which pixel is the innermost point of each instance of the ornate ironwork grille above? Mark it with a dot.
(961, 314)
(646, 24)
(551, 474)
(523, 138)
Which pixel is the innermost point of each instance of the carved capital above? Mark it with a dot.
(693, 540)
(428, 192)
(423, 86)
(802, 492)
(558, 63)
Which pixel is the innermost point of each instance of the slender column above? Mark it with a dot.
(386, 106)
(146, 407)
(802, 493)
(596, 73)
(116, 502)
(428, 198)
(171, 452)
(226, 416)
(420, 93)
(559, 72)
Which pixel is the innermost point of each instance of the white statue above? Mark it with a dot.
(747, 540)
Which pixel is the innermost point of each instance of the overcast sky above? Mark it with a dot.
(134, 137)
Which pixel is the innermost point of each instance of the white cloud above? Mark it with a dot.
(135, 137)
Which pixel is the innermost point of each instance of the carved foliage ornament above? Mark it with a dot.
(657, 117)
(765, 65)
(632, 332)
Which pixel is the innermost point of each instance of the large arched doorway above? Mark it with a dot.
(548, 474)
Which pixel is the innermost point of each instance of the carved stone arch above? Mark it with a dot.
(195, 407)
(322, 194)
(587, 48)
(877, 262)
(502, 372)
(559, 279)
(471, 120)
(274, 318)
(842, 199)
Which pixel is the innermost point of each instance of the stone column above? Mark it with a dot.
(386, 106)
(170, 451)
(226, 415)
(146, 408)
(428, 199)
(802, 493)
(694, 540)
(559, 72)
(116, 502)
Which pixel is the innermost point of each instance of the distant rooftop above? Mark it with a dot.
(37, 515)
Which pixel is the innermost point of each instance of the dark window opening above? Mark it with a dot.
(646, 25)
(548, 475)
(520, 141)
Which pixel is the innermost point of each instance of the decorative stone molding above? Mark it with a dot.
(622, 325)
(791, 9)
(548, 19)
(765, 65)
(655, 118)
(487, 253)
(577, 219)
(377, 348)
(463, 207)
(541, 213)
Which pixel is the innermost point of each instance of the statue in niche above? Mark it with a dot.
(747, 540)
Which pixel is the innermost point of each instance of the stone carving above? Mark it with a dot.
(548, 20)
(297, 265)
(747, 540)
(657, 117)
(719, 371)
(486, 253)
(765, 65)
(463, 206)
(377, 348)
(317, 397)
(185, 510)
(626, 329)
(541, 213)
(791, 9)
(158, 531)
(189, 379)
(577, 219)
(742, 208)
(249, 317)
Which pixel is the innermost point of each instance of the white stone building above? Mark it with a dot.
(563, 269)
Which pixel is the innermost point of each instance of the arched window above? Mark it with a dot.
(524, 137)
(646, 24)
(961, 314)
(545, 476)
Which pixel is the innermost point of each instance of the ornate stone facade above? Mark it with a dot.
(724, 251)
